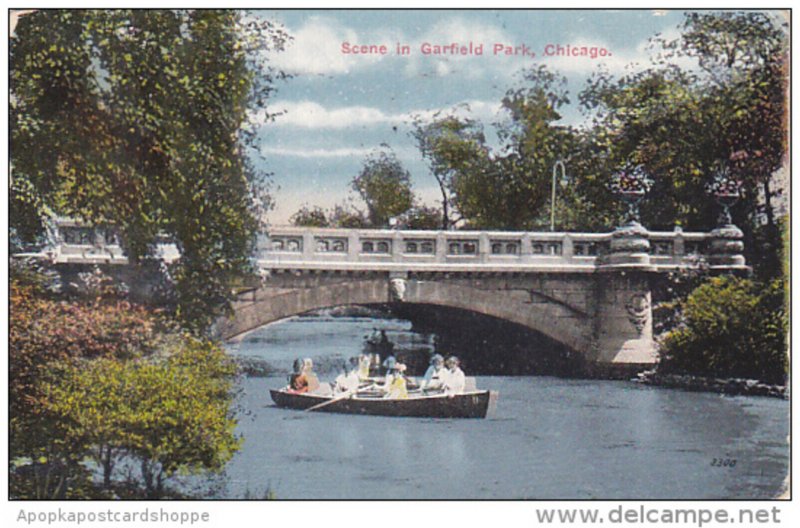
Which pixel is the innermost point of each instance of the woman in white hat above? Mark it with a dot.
(397, 388)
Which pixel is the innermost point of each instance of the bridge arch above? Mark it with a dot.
(553, 319)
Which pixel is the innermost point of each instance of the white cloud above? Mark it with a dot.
(484, 111)
(312, 115)
(315, 152)
(308, 114)
(316, 48)
(332, 152)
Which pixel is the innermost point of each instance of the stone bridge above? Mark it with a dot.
(589, 291)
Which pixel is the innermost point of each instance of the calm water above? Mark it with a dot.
(551, 438)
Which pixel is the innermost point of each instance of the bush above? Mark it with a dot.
(169, 413)
(106, 380)
(730, 327)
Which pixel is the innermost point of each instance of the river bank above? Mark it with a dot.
(729, 386)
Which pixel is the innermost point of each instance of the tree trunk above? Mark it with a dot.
(445, 212)
(147, 477)
(108, 466)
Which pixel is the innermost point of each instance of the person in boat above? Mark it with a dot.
(374, 364)
(298, 383)
(454, 380)
(397, 388)
(349, 380)
(389, 365)
(384, 345)
(433, 376)
(311, 379)
(364, 363)
(374, 338)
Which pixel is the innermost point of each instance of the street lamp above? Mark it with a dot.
(556, 165)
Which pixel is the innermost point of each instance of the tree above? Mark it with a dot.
(106, 379)
(139, 118)
(346, 216)
(684, 124)
(170, 413)
(509, 188)
(731, 327)
(451, 145)
(42, 333)
(385, 187)
(422, 217)
(340, 215)
(306, 217)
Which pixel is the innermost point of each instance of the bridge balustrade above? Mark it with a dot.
(322, 248)
(398, 249)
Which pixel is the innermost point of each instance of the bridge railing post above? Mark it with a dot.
(679, 246)
(353, 245)
(397, 246)
(441, 246)
(308, 245)
(567, 250)
(484, 247)
(526, 249)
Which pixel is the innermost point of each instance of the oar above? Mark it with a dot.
(343, 396)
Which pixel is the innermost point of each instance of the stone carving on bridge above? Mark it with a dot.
(397, 289)
(638, 308)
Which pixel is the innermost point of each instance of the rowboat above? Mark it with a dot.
(472, 404)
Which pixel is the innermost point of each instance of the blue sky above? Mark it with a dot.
(339, 107)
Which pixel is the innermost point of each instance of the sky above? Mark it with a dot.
(339, 107)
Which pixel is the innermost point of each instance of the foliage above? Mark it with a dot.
(341, 215)
(679, 123)
(508, 189)
(385, 187)
(683, 124)
(451, 146)
(42, 332)
(731, 327)
(306, 217)
(107, 379)
(36, 275)
(346, 216)
(422, 217)
(170, 413)
(139, 118)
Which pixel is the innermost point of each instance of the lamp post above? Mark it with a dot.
(556, 165)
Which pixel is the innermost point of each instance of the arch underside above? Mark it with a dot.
(553, 319)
